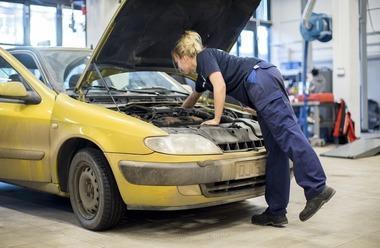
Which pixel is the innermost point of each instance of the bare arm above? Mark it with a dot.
(219, 86)
(191, 100)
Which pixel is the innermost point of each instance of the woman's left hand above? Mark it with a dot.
(213, 122)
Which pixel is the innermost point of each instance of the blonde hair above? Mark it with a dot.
(190, 44)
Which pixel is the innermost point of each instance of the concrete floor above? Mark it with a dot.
(351, 219)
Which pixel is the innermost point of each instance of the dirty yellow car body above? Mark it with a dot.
(33, 136)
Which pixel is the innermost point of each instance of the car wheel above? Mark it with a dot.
(94, 195)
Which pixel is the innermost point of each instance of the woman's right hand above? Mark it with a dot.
(191, 100)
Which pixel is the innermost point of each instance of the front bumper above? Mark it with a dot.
(178, 174)
(166, 182)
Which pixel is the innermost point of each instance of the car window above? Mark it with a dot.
(64, 67)
(9, 74)
(29, 62)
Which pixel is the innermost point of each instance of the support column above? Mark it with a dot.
(346, 63)
(59, 25)
(26, 22)
(363, 63)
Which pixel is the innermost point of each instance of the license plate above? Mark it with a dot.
(252, 168)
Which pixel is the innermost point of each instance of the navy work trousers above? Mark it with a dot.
(283, 139)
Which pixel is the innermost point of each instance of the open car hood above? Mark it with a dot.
(142, 33)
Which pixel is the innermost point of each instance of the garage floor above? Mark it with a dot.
(352, 219)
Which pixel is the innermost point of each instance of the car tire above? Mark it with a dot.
(94, 194)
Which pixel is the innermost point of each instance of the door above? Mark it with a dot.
(24, 128)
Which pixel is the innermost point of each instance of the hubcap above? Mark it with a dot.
(88, 192)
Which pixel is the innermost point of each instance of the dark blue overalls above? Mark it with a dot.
(283, 139)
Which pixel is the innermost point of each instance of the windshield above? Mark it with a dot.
(64, 66)
(141, 80)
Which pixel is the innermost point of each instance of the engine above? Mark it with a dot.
(236, 132)
(165, 116)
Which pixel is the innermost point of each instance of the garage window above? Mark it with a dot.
(43, 26)
(11, 23)
(42, 23)
(254, 40)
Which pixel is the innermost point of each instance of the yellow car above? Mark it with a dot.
(106, 128)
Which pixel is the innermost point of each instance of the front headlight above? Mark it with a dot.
(182, 144)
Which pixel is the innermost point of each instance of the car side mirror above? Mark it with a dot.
(32, 98)
(16, 92)
(13, 89)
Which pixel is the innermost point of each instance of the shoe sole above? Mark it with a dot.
(281, 224)
(322, 203)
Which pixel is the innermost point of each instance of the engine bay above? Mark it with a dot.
(237, 131)
(174, 116)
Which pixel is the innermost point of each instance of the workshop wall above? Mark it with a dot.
(373, 41)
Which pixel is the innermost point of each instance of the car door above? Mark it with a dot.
(24, 128)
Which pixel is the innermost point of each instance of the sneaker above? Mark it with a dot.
(313, 205)
(266, 219)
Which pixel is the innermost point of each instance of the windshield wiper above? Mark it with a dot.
(101, 87)
(141, 91)
(111, 88)
(106, 88)
(162, 90)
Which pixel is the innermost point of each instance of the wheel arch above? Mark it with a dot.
(65, 155)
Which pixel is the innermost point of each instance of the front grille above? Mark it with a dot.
(242, 146)
(232, 186)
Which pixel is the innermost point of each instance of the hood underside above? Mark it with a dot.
(143, 32)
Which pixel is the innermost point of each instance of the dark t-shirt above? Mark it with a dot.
(234, 70)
